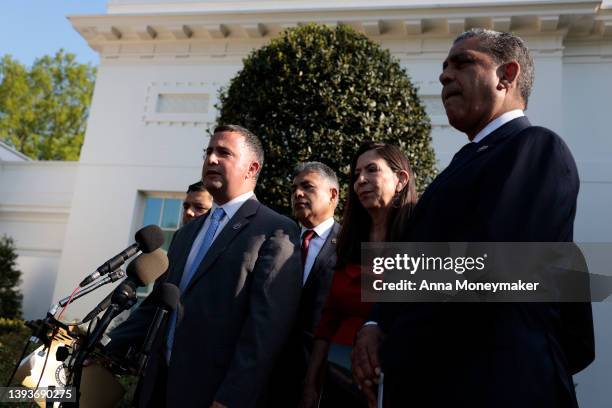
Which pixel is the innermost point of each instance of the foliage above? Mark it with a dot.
(315, 93)
(8, 325)
(13, 337)
(10, 297)
(43, 109)
(129, 383)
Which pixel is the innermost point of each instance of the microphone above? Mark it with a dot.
(143, 270)
(148, 239)
(167, 299)
(122, 298)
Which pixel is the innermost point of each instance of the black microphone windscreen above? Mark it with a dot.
(149, 238)
(168, 296)
(148, 267)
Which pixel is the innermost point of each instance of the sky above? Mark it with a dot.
(30, 29)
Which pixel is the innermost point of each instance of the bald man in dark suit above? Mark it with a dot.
(513, 182)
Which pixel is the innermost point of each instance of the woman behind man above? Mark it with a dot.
(381, 196)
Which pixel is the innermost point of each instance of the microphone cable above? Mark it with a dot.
(69, 300)
(23, 354)
(42, 373)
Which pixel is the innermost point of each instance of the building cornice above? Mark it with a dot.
(20, 212)
(317, 6)
(213, 33)
(17, 155)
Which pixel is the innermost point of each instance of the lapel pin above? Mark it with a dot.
(333, 241)
(236, 226)
(480, 149)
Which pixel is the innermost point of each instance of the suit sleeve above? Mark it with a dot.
(540, 188)
(274, 298)
(331, 316)
(537, 183)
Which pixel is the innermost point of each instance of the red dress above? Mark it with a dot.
(344, 313)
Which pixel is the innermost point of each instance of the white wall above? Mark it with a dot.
(35, 202)
(127, 150)
(587, 86)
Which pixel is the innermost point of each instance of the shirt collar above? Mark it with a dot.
(322, 230)
(232, 206)
(497, 123)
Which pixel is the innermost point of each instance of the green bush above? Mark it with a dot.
(315, 93)
(10, 298)
(8, 325)
(13, 337)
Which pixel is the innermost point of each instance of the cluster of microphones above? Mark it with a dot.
(149, 263)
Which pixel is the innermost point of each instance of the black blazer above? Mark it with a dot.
(318, 283)
(519, 184)
(238, 309)
(286, 383)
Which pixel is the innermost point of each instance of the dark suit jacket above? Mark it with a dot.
(519, 184)
(318, 283)
(285, 386)
(238, 309)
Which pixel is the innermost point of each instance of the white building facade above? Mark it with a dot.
(162, 63)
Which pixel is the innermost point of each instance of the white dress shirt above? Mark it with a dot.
(322, 231)
(230, 208)
(496, 123)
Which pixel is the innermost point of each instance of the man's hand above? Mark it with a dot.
(364, 360)
(216, 404)
(310, 397)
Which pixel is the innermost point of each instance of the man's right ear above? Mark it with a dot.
(509, 74)
(253, 170)
(334, 194)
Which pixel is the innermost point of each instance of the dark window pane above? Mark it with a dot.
(172, 210)
(152, 211)
(167, 239)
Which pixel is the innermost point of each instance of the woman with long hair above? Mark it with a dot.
(382, 194)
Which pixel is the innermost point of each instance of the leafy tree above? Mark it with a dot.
(10, 298)
(315, 93)
(43, 109)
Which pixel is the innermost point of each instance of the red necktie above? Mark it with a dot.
(305, 244)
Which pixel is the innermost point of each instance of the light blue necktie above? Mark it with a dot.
(215, 220)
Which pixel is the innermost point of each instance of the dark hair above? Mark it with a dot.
(356, 222)
(505, 47)
(196, 187)
(320, 168)
(252, 141)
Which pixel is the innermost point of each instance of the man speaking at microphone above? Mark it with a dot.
(240, 278)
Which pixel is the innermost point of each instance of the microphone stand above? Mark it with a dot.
(112, 277)
(167, 300)
(123, 297)
(158, 321)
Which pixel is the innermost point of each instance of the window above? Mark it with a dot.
(182, 103)
(166, 212)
